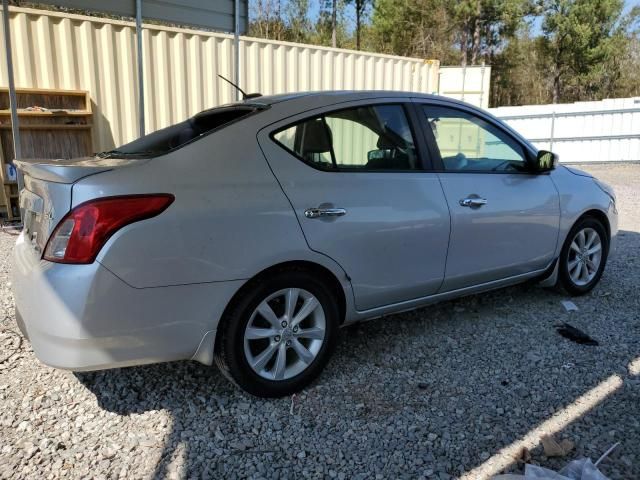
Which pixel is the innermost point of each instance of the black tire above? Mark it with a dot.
(564, 278)
(230, 356)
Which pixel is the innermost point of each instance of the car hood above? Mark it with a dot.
(578, 172)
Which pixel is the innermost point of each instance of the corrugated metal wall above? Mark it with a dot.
(608, 130)
(56, 50)
(469, 84)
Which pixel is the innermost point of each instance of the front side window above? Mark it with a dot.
(362, 138)
(469, 143)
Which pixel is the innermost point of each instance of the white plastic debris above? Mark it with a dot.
(293, 399)
(581, 469)
(569, 306)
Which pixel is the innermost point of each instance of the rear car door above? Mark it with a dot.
(504, 219)
(354, 177)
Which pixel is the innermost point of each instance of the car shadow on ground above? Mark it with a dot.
(435, 392)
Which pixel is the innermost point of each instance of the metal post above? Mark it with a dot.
(428, 76)
(140, 65)
(236, 40)
(15, 125)
(553, 125)
(482, 85)
(464, 80)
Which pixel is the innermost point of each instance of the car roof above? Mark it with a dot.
(339, 95)
(300, 101)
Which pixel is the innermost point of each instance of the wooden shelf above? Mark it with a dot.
(62, 130)
(52, 91)
(58, 112)
(50, 126)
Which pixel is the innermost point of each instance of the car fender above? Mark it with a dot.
(578, 195)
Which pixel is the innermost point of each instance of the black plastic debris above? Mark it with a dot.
(575, 335)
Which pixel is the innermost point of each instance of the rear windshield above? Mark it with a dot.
(173, 137)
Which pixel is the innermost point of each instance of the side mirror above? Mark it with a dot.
(545, 161)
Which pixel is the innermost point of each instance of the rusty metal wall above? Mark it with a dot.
(59, 50)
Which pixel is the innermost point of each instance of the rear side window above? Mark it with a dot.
(173, 137)
(367, 138)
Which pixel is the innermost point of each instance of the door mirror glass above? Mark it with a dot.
(545, 161)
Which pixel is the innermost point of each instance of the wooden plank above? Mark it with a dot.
(58, 113)
(50, 126)
(70, 100)
(46, 91)
(87, 101)
(6, 187)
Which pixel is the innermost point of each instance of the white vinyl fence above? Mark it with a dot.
(604, 131)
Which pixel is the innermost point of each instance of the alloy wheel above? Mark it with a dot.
(585, 255)
(284, 334)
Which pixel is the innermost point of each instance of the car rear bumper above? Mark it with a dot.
(83, 317)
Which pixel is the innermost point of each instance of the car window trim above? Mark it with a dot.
(435, 150)
(406, 106)
(430, 158)
(332, 152)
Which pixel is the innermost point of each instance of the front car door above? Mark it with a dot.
(354, 177)
(504, 219)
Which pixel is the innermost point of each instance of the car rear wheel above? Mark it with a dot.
(280, 334)
(583, 256)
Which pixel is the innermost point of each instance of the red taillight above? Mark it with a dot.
(84, 230)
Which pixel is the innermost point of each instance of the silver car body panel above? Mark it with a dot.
(392, 241)
(51, 200)
(82, 317)
(579, 194)
(160, 286)
(229, 221)
(71, 170)
(516, 232)
(449, 295)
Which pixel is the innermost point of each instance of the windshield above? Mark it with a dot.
(173, 137)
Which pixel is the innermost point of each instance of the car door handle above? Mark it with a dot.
(473, 202)
(324, 212)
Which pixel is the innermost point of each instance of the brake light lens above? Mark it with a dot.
(81, 234)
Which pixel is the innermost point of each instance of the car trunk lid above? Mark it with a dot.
(47, 194)
(71, 170)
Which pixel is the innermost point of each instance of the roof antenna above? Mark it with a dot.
(245, 96)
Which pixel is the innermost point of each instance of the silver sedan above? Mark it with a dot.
(249, 233)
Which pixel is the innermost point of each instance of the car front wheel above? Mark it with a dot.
(583, 256)
(279, 336)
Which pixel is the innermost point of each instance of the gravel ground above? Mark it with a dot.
(445, 392)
